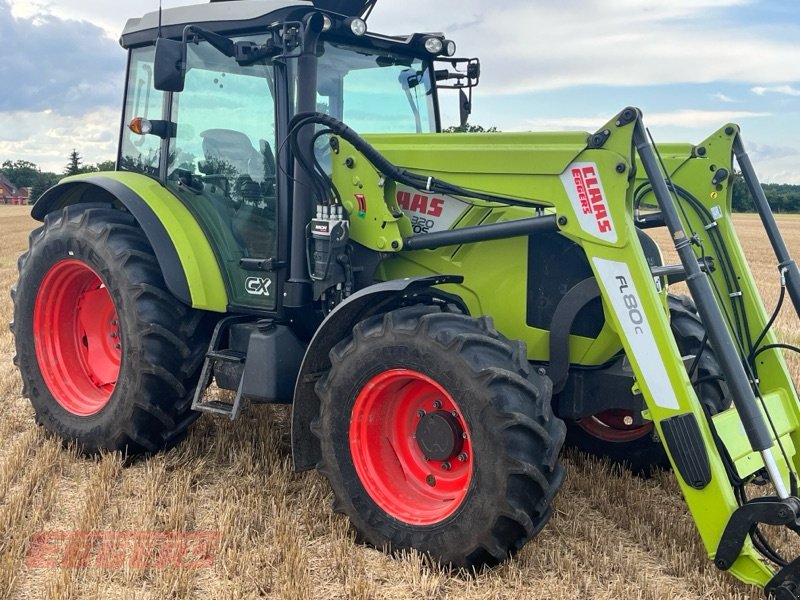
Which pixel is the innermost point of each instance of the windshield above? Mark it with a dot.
(375, 92)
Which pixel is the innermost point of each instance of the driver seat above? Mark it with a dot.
(250, 177)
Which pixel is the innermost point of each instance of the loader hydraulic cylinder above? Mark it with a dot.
(743, 397)
(785, 262)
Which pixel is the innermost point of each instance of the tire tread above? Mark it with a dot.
(173, 336)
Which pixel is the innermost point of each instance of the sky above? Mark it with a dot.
(690, 65)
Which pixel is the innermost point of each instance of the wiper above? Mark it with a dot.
(246, 53)
(225, 45)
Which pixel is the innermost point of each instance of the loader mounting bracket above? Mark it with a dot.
(768, 510)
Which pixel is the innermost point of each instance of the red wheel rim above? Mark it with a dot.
(76, 336)
(616, 425)
(388, 456)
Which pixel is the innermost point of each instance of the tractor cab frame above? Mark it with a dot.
(216, 98)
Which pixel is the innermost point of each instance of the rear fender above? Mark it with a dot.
(187, 262)
(336, 326)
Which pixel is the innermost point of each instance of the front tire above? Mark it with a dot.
(108, 356)
(436, 435)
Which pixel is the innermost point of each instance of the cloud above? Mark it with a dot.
(536, 46)
(66, 71)
(48, 62)
(786, 90)
(778, 169)
(533, 46)
(111, 16)
(46, 137)
(723, 98)
(765, 152)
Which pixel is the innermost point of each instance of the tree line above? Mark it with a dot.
(24, 173)
(782, 197)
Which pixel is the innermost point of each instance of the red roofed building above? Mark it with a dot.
(10, 194)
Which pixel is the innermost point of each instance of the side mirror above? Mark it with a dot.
(465, 107)
(169, 73)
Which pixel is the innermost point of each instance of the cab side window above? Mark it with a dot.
(223, 152)
(141, 153)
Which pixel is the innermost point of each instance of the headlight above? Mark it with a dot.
(450, 47)
(434, 45)
(357, 26)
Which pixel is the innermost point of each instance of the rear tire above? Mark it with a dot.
(638, 447)
(108, 357)
(416, 383)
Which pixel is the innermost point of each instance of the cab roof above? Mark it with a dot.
(216, 16)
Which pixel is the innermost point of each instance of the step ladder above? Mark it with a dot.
(214, 356)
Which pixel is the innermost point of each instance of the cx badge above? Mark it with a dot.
(256, 286)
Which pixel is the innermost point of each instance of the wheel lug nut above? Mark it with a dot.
(628, 420)
(454, 413)
(117, 346)
(430, 480)
(446, 466)
(420, 413)
(462, 457)
(464, 435)
(113, 323)
(113, 334)
(437, 404)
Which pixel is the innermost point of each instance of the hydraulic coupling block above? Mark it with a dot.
(330, 259)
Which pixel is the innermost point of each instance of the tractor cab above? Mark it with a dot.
(211, 90)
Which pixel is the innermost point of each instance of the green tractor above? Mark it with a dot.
(440, 310)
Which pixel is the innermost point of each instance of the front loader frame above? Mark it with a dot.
(711, 457)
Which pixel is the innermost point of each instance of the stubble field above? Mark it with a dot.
(613, 536)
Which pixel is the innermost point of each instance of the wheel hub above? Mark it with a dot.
(439, 435)
(615, 425)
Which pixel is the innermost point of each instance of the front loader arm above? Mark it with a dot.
(634, 306)
(630, 297)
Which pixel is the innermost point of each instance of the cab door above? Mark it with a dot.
(221, 164)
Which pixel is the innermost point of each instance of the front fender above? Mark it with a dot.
(336, 326)
(187, 262)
